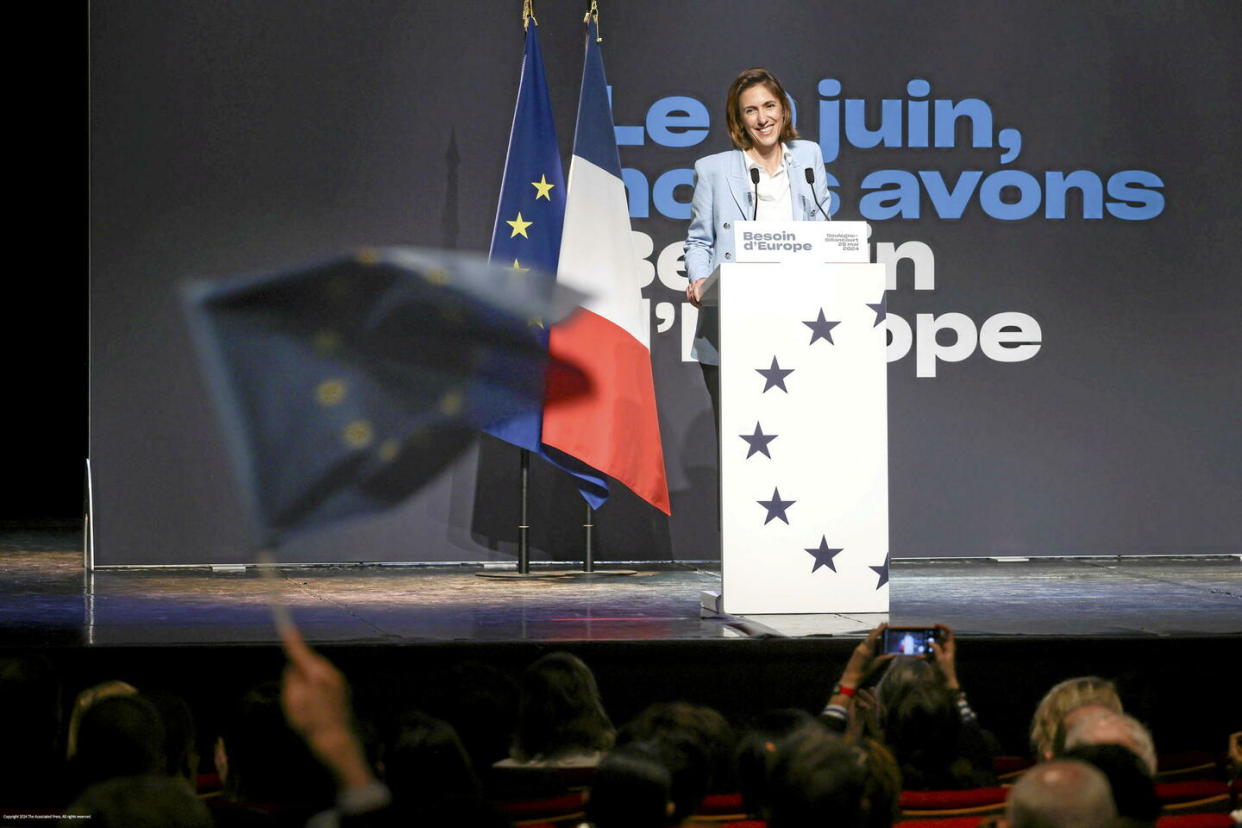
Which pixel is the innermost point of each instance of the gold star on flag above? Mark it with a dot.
(519, 268)
(542, 188)
(519, 226)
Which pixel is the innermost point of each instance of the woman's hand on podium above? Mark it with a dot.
(694, 292)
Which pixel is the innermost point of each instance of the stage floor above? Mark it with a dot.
(47, 599)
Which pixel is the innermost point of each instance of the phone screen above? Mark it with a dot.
(914, 642)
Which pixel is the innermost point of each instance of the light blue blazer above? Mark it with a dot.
(723, 194)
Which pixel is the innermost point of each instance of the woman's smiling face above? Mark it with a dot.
(762, 115)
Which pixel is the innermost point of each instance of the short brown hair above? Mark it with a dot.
(733, 108)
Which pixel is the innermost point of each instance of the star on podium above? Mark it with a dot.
(823, 555)
(882, 571)
(776, 507)
(758, 442)
(774, 377)
(880, 308)
(821, 328)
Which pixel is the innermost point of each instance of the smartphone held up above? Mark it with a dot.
(910, 641)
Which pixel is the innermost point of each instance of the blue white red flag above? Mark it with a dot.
(527, 238)
(613, 427)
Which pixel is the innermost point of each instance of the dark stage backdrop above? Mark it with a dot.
(1054, 185)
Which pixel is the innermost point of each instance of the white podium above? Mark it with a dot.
(804, 423)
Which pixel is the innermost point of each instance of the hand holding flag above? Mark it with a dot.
(344, 385)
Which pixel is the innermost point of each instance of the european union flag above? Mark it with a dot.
(346, 384)
(527, 238)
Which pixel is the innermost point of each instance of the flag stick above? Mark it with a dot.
(523, 527)
(523, 562)
(589, 564)
(269, 573)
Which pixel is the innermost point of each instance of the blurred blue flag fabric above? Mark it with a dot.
(527, 234)
(346, 384)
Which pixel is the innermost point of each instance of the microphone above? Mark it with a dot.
(810, 179)
(754, 179)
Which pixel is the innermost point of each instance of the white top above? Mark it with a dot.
(775, 194)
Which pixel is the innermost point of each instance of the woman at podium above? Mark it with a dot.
(769, 175)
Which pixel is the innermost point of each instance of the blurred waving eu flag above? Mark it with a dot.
(527, 238)
(344, 385)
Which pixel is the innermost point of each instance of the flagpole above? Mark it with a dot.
(589, 563)
(614, 429)
(523, 561)
(590, 219)
(527, 232)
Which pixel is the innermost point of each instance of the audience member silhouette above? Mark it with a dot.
(83, 702)
(632, 788)
(882, 784)
(756, 754)
(1060, 794)
(430, 776)
(265, 768)
(1132, 786)
(696, 745)
(922, 726)
(180, 737)
(818, 779)
(561, 718)
(928, 725)
(1048, 723)
(1107, 728)
(117, 736)
(480, 701)
(146, 801)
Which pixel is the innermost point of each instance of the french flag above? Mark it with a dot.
(614, 428)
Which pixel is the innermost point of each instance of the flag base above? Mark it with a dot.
(547, 574)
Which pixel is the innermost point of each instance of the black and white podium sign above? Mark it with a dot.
(804, 426)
